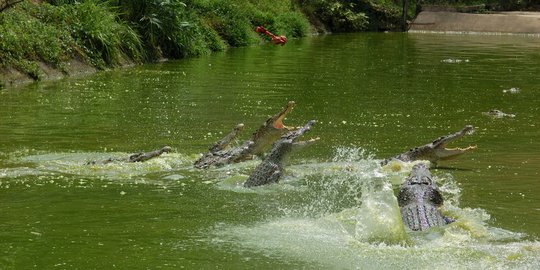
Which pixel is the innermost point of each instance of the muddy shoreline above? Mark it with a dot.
(12, 77)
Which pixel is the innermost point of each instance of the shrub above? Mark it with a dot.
(229, 20)
(236, 20)
(104, 39)
(169, 28)
(25, 40)
(105, 32)
(33, 33)
(293, 24)
(339, 15)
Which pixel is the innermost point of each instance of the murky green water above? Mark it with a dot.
(374, 95)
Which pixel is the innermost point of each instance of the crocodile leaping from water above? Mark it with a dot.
(138, 157)
(221, 154)
(271, 168)
(436, 150)
(419, 200)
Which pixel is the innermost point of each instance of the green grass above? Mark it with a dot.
(31, 34)
(106, 33)
(338, 15)
(169, 28)
(235, 20)
(104, 39)
(25, 40)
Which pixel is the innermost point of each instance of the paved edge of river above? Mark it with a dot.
(501, 22)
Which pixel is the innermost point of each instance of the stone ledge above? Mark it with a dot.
(501, 22)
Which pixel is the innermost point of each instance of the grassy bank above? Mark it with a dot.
(109, 33)
(39, 34)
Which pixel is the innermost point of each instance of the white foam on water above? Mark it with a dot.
(351, 220)
(328, 241)
(70, 170)
(75, 164)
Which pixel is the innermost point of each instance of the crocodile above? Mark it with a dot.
(419, 200)
(138, 157)
(221, 153)
(270, 170)
(498, 114)
(436, 150)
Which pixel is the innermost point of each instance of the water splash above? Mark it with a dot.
(350, 219)
(69, 170)
(454, 61)
(325, 242)
(75, 163)
(513, 90)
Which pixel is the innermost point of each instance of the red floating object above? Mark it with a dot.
(278, 40)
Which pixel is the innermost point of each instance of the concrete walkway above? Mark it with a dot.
(502, 22)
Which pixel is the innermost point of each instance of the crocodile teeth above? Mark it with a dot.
(471, 147)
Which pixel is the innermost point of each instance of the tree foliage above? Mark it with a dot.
(5, 4)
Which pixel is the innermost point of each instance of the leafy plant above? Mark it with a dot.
(25, 40)
(168, 28)
(339, 15)
(229, 20)
(102, 37)
(293, 24)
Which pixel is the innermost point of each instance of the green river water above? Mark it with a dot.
(374, 95)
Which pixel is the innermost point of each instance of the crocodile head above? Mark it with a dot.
(271, 130)
(270, 170)
(420, 175)
(498, 114)
(290, 141)
(440, 149)
(436, 150)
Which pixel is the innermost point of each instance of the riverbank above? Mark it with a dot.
(47, 40)
(499, 22)
(43, 40)
(50, 39)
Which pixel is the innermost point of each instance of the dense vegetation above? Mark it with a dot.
(107, 33)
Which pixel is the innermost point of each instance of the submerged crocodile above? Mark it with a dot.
(419, 200)
(436, 150)
(271, 168)
(221, 154)
(498, 114)
(138, 157)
